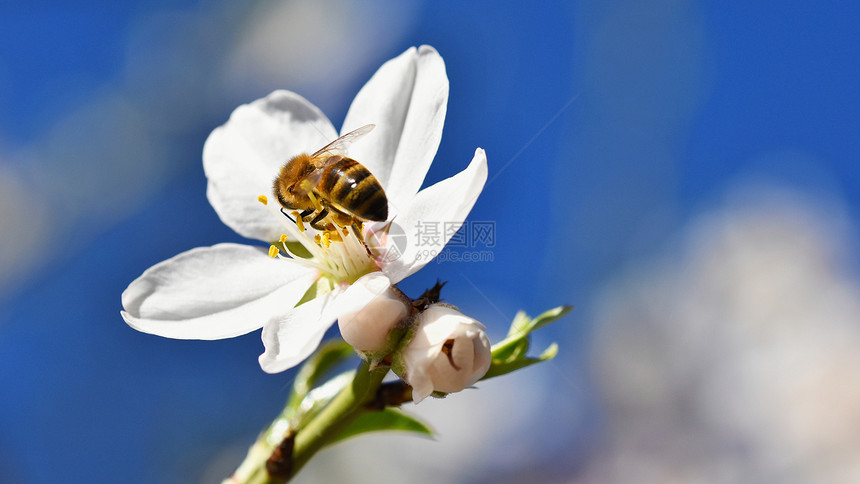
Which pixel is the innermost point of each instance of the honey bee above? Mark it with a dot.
(328, 183)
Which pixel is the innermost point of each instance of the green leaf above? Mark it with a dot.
(502, 367)
(549, 317)
(387, 419)
(329, 355)
(519, 327)
(549, 353)
(520, 349)
(516, 344)
(509, 348)
(513, 347)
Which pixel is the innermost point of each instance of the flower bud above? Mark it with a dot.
(371, 328)
(448, 352)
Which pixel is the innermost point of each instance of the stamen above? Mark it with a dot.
(306, 186)
(314, 201)
(355, 242)
(293, 230)
(306, 262)
(338, 251)
(299, 222)
(350, 248)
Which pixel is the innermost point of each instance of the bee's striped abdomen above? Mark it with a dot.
(351, 186)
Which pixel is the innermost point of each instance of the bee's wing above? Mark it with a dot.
(315, 176)
(338, 147)
(322, 161)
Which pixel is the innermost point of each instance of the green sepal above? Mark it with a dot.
(387, 419)
(398, 366)
(298, 249)
(392, 343)
(329, 355)
(321, 287)
(294, 246)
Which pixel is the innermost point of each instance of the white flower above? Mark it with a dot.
(230, 289)
(448, 352)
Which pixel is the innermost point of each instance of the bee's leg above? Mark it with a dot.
(315, 223)
(287, 215)
(358, 228)
(339, 218)
(305, 214)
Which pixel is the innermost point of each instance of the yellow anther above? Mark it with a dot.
(263, 199)
(325, 240)
(345, 231)
(317, 239)
(334, 235)
(299, 222)
(283, 238)
(273, 251)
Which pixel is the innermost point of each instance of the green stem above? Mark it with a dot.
(349, 404)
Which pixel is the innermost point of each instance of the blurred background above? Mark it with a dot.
(685, 173)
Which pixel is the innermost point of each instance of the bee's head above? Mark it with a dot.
(288, 185)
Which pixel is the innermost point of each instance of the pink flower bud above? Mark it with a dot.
(448, 352)
(368, 328)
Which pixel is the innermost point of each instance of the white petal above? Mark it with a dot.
(438, 323)
(291, 338)
(417, 375)
(447, 202)
(447, 377)
(214, 292)
(422, 387)
(483, 357)
(407, 99)
(368, 311)
(364, 290)
(242, 157)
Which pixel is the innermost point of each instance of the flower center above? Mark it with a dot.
(338, 251)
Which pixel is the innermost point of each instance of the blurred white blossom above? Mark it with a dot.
(737, 358)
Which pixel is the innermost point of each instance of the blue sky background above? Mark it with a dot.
(610, 130)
